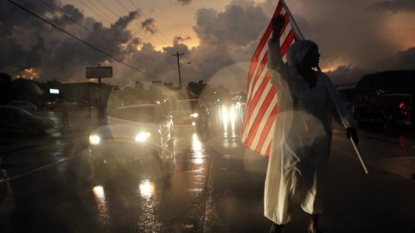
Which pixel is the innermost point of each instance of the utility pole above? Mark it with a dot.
(178, 67)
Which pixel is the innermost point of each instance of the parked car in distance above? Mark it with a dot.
(192, 112)
(16, 119)
(52, 105)
(77, 104)
(23, 105)
(384, 109)
(133, 132)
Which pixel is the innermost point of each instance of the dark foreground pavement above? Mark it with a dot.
(382, 201)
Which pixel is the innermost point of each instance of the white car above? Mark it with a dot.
(132, 132)
(23, 105)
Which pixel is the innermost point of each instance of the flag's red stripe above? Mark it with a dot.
(278, 9)
(256, 76)
(287, 42)
(254, 127)
(262, 44)
(267, 128)
(260, 114)
(253, 101)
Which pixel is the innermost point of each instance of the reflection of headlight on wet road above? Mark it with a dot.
(146, 188)
(94, 139)
(99, 192)
(194, 115)
(142, 137)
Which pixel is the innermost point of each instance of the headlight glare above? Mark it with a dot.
(94, 139)
(194, 115)
(142, 137)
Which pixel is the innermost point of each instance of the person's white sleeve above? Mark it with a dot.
(275, 65)
(340, 113)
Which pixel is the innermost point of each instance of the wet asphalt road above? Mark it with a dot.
(210, 183)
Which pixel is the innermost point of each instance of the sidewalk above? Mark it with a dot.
(401, 162)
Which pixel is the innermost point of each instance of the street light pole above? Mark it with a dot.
(178, 67)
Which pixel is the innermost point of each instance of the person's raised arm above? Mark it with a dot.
(277, 24)
(275, 65)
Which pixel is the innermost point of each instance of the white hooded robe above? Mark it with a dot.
(298, 163)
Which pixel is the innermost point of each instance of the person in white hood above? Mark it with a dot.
(307, 101)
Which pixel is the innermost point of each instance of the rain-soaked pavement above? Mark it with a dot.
(210, 183)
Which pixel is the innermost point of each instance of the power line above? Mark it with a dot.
(147, 18)
(86, 43)
(99, 9)
(136, 19)
(108, 8)
(95, 12)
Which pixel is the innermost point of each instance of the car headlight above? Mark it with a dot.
(94, 139)
(194, 115)
(142, 137)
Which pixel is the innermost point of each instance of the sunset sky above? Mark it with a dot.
(217, 37)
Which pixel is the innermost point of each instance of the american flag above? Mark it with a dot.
(262, 104)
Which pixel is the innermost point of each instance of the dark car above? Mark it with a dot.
(23, 105)
(17, 119)
(52, 105)
(135, 132)
(78, 104)
(192, 112)
(384, 109)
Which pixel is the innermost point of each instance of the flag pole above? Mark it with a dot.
(297, 30)
(359, 155)
(353, 143)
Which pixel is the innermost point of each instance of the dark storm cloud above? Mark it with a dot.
(402, 60)
(184, 2)
(236, 26)
(149, 25)
(179, 39)
(353, 41)
(30, 43)
(395, 6)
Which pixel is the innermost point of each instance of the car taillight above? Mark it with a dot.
(402, 105)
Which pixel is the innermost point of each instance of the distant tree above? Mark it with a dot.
(242, 96)
(5, 88)
(25, 89)
(5, 79)
(196, 89)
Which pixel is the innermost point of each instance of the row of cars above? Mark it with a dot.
(17, 119)
(71, 104)
(142, 132)
(17, 116)
(390, 110)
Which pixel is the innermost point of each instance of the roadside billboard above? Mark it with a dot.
(99, 72)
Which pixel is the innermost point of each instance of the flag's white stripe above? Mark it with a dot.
(265, 118)
(254, 112)
(268, 140)
(265, 48)
(260, 58)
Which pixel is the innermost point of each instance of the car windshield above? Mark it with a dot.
(136, 114)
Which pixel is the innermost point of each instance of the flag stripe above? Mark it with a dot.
(262, 103)
(266, 99)
(259, 84)
(263, 41)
